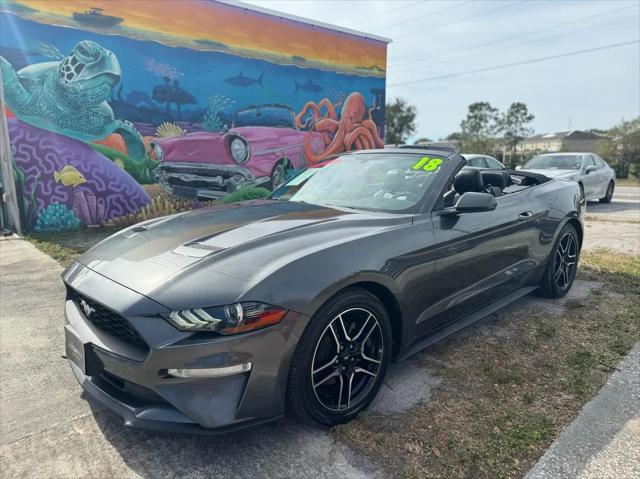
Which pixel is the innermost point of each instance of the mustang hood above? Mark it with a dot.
(234, 241)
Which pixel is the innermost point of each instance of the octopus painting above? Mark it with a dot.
(355, 130)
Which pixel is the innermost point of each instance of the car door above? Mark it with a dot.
(603, 176)
(590, 180)
(481, 257)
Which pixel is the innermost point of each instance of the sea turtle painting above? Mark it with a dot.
(69, 96)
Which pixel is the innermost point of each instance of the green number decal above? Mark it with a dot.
(433, 164)
(423, 161)
(427, 164)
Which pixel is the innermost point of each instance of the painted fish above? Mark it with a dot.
(243, 81)
(309, 86)
(69, 176)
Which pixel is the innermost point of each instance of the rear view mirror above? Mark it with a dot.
(590, 168)
(472, 202)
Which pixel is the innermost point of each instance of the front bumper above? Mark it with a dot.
(132, 380)
(198, 180)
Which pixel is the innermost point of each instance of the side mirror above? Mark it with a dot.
(518, 167)
(590, 168)
(472, 202)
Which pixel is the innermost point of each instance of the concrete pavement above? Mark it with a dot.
(625, 206)
(615, 225)
(603, 442)
(49, 429)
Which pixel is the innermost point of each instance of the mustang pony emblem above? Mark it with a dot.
(86, 307)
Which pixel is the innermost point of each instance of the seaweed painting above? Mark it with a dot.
(27, 203)
(217, 104)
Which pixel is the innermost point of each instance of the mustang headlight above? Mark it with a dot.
(239, 150)
(231, 319)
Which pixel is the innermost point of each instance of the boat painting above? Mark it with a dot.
(95, 18)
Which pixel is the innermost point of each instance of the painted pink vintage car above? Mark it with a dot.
(261, 145)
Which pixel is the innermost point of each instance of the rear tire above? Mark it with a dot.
(609, 195)
(562, 264)
(341, 360)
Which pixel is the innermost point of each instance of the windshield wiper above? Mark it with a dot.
(342, 206)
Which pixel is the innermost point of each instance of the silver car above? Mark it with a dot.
(595, 177)
(484, 162)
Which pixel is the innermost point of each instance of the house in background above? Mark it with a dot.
(561, 141)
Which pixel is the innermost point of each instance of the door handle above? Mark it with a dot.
(525, 216)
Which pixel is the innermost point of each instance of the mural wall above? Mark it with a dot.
(123, 110)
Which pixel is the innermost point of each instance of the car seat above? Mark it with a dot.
(495, 181)
(468, 179)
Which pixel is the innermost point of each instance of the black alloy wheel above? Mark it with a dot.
(562, 264)
(347, 359)
(341, 359)
(564, 268)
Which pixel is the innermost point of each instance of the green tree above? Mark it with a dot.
(513, 125)
(479, 128)
(621, 147)
(422, 140)
(399, 121)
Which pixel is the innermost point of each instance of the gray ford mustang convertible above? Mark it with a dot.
(229, 316)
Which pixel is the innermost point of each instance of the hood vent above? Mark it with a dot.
(197, 250)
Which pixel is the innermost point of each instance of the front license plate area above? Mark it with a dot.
(189, 193)
(75, 350)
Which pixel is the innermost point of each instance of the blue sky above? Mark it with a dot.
(435, 38)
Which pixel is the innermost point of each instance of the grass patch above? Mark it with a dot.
(501, 403)
(244, 194)
(629, 181)
(66, 247)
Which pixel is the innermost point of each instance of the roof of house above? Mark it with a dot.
(559, 135)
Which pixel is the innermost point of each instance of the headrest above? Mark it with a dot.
(499, 179)
(468, 179)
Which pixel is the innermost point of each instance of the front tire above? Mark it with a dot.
(609, 195)
(279, 174)
(562, 264)
(341, 360)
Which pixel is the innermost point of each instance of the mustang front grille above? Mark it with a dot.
(108, 321)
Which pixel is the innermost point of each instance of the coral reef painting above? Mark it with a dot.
(106, 193)
(105, 96)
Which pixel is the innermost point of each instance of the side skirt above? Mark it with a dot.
(465, 321)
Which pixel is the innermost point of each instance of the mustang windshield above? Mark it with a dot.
(555, 162)
(390, 182)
